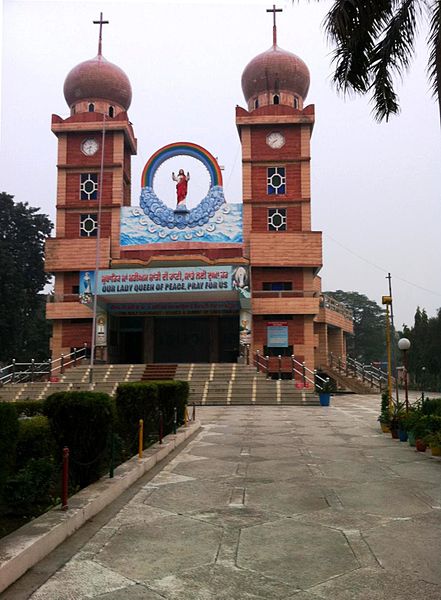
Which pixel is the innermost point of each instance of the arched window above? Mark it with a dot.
(296, 102)
(256, 103)
(91, 107)
(276, 99)
(111, 111)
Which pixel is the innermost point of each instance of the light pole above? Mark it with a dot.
(423, 381)
(404, 345)
(387, 301)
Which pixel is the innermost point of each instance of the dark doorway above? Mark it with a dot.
(182, 339)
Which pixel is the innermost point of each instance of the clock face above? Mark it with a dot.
(275, 140)
(89, 147)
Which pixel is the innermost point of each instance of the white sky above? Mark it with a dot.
(375, 188)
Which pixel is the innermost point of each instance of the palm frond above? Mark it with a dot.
(353, 27)
(392, 56)
(434, 65)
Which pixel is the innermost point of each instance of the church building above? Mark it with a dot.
(161, 282)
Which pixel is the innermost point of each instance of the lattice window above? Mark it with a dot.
(277, 219)
(88, 225)
(89, 186)
(276, 180)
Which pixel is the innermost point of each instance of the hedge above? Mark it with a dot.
(8, 439)
(29, 408)
(135, 401)
(83, 422)
(144, 400)
(35, 440)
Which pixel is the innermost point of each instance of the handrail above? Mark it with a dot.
(307, 376)
(352, 367)
(332, 304)
(22, 372)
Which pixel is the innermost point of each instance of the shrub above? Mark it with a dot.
(29, 408)
(35, 440)
(82, 421)
(29, 490)
(8, 439)
(172, 394)
(431, 406)
(135, 401)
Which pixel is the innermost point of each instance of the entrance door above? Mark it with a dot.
(182, 339)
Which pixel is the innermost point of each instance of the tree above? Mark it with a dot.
(22, 322)
(375, 42)
(424, 356)
(368, 344)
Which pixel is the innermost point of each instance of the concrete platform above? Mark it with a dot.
(283, 503)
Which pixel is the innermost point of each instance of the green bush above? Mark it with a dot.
(28, 492)
(35, 440)
(29, 408)
(135, 401)
(172, 394)
(8, 439)
(431, 406)
(83, 422)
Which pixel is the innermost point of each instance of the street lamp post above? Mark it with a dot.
(404, 345)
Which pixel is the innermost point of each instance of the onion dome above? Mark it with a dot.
(275, 71)
(98, 79)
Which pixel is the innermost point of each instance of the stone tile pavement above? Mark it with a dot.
(273, 503)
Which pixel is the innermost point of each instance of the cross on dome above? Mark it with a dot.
(274, 10)
(100, 38)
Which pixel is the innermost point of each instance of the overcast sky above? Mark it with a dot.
(375, 188)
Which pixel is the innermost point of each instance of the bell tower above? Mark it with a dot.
(95, 145)
(285, 255)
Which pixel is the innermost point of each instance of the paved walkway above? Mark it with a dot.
(271, 503)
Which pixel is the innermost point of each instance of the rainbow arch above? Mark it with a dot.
(180, 149)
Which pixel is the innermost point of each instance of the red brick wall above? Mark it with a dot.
(261, 151)
(73, 195)
(293, 217)
(73, 222)
(261, 275)
(75, 334)
(70, 279)
(259, 182)
(76, 157)
(212, 254)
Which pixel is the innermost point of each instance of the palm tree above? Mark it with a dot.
(375, 41)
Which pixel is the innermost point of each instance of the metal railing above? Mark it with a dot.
(301, 375)
(23, 372)
(339, 307)
(367, 373)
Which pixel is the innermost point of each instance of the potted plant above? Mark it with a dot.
(396, 415)
(433, 440)
(420, 430)
(384, 417)
(324, 390)
(409, 422)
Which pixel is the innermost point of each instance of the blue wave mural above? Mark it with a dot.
(223, 225)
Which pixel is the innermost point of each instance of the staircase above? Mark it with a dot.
(350, 384)
(236, 384)
(157, 371)
(210, 384)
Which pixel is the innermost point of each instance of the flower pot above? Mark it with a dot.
(420, 445)
(325, 398)
(436, 450)
(411, 438)
(402, 435)
(385, 427)
(394, 432)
